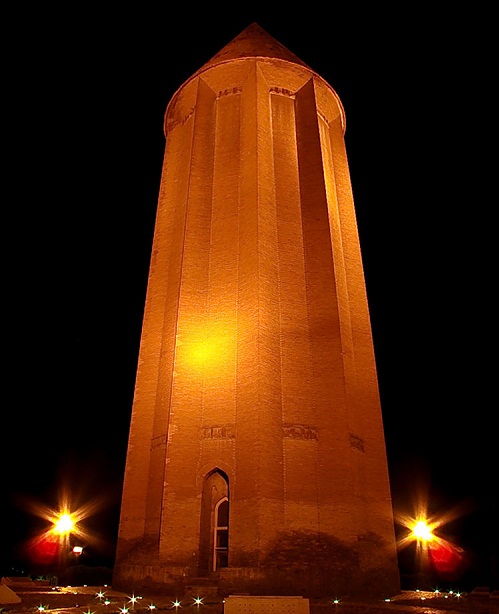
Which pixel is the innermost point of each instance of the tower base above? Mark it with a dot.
(311, 583)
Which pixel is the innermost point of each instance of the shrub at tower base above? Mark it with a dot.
(299, 563)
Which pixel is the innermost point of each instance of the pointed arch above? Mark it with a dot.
(214, 522)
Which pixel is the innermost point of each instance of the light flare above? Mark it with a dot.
(64, 522)
(431, 547)
(422, 531)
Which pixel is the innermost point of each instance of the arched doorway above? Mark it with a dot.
(214, 525)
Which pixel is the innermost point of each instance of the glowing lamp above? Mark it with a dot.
(422, 532)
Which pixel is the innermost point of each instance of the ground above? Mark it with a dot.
(103, 600)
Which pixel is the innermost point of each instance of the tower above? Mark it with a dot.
(256, 454)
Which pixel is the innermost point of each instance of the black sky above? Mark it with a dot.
(86, 93)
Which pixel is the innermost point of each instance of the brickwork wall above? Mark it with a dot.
(256, 358)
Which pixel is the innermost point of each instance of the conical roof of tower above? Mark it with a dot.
(253, 41)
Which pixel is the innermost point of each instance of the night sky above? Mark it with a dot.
(85, 95)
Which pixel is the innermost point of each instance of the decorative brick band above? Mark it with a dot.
(300, 431)
(229, 91)
(282, 91)
(224, 431)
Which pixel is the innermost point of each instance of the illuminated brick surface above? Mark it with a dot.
(256, 378)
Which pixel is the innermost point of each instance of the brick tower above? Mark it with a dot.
(256, 455)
